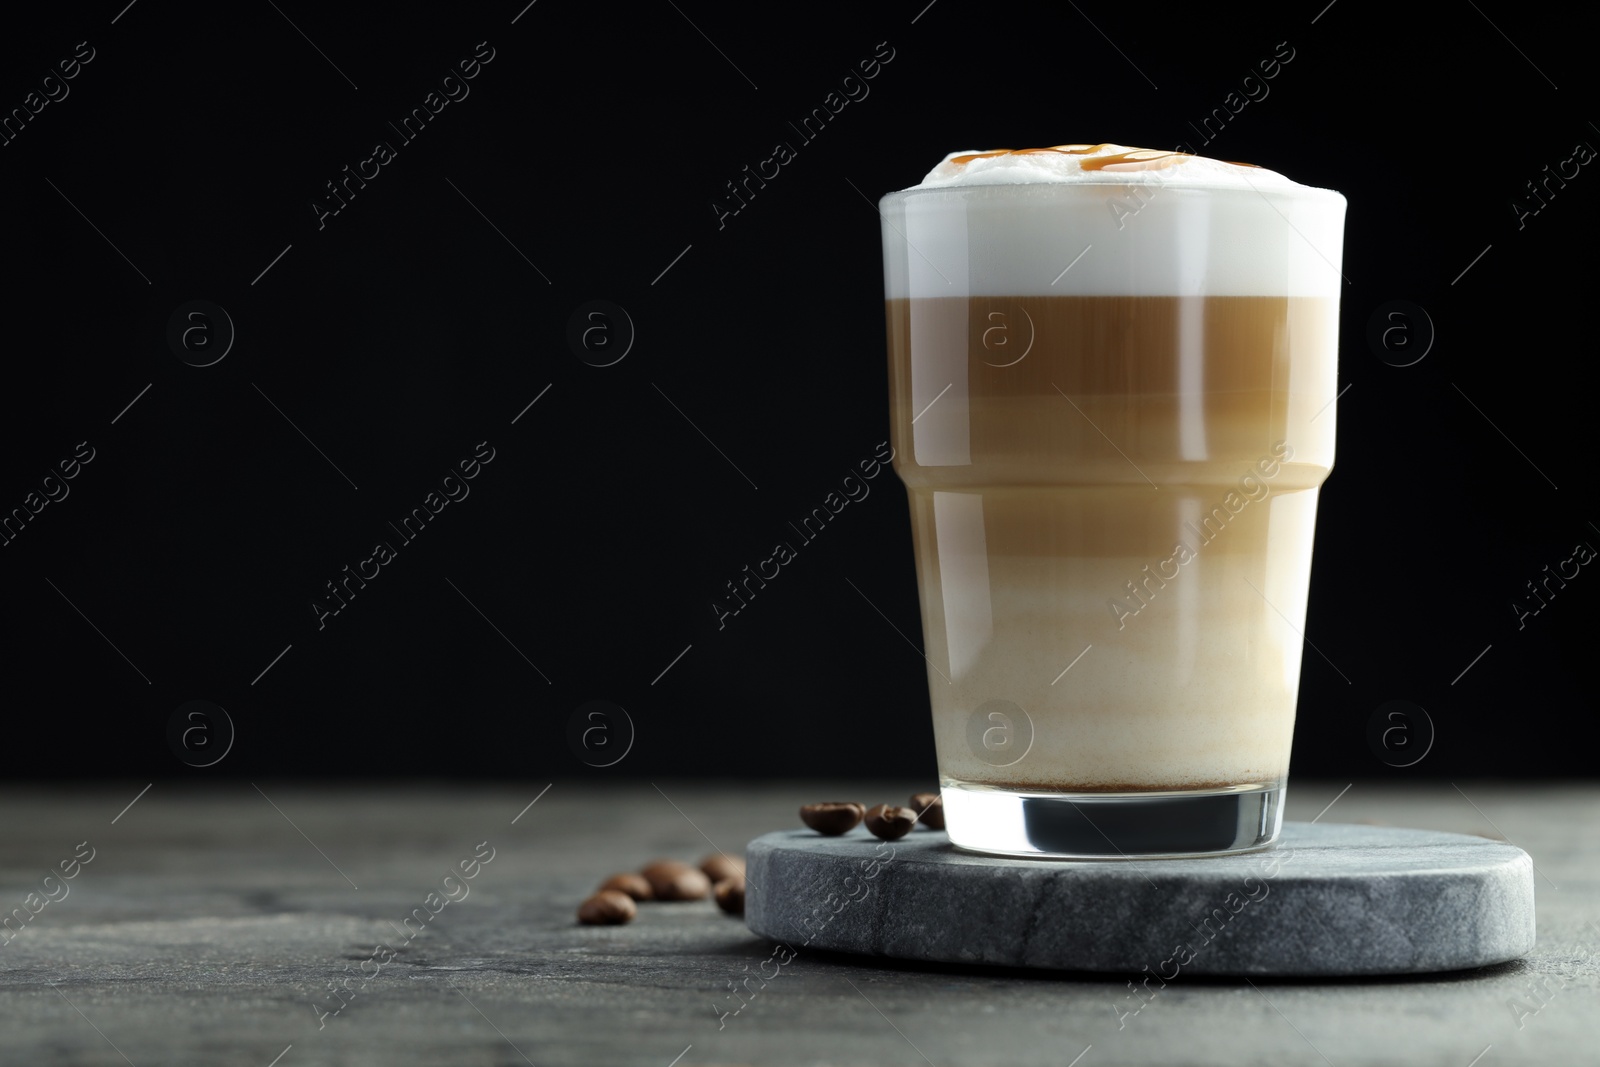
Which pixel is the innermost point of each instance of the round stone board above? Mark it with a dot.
(1328, 900)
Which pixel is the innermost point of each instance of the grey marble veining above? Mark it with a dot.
(1329, 900)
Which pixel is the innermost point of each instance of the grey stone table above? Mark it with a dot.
(208, 926)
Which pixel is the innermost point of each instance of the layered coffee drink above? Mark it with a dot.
(1112, 373)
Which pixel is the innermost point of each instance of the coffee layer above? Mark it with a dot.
(1145, 391)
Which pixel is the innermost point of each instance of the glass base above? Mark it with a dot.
(1112, 825)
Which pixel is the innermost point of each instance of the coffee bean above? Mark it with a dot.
(634, 885)
(672, 880)
(607, 908)
(833, 817)
(929, 808)
(890, 823)
(730, 895)
(720, 867)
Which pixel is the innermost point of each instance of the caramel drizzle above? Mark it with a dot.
(1136, 159)
(1129, 159)
(1064, 149)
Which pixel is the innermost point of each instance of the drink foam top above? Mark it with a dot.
(1109, 220)
(1097, 164)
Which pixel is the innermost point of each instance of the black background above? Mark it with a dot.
(414, 325)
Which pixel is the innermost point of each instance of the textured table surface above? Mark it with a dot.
(206, 926)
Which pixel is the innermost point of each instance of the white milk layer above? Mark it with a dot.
(1167, 671)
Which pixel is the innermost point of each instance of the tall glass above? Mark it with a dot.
(1112, 410)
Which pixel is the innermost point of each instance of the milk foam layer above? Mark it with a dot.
(1099, 164)
(1104, 220)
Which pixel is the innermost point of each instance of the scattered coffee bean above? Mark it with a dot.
(929, 808)
(672, 880)
(730, 895)
(608, 907)
(832, 818)
(634, 885)
(719, 867)
(890, 823)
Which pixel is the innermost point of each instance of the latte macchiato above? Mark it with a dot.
(1111, 379)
